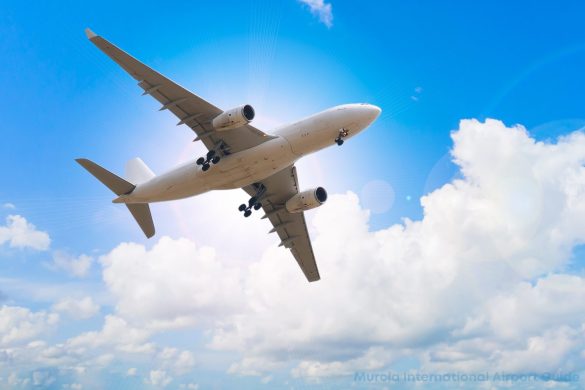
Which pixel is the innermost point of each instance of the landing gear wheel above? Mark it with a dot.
(242, 207)
(200, 161)
(205, 167)
(215, 159)
(339, 142)
(247, 213)
(210, 154)
(257, 206)
(252, 201)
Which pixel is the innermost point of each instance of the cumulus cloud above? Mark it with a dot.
(174, 284)
(177, 360)
(19, 233)
(479, 283)
(115, 334)
(321, 9)
(158, 378)
(473, 274)
(78, 267)
(19, 324)
(79, 309)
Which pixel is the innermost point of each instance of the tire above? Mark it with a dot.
(252, 201)
(247, 213)
(200, 161)
(205, 167)
(210, 154)
(339, 142)
(257, 206)
(215, 159)
(242, 207)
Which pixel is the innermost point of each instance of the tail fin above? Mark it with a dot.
(140, 211)
(137, 172)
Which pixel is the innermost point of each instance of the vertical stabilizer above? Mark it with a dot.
(137, 172)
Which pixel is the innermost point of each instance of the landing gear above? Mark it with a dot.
(254, 201)
(342, 134)
(211, 157)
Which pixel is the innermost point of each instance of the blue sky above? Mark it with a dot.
(428, 65)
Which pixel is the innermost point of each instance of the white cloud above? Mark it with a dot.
(10, 206)
(373, 359)
(158, 378)
(75, 266)
(321, 9)
(80, 309)
(132, 371)
(479, 283)
(179, 361)
(474, 273)
(117, 334)
(174, 284)
(19, 233)
(19, 324)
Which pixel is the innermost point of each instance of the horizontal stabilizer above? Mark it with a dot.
(115, 183)
(141, 213)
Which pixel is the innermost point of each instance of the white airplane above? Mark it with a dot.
(239, 156)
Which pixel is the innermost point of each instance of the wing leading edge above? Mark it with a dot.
(290, 227)
(191, 110)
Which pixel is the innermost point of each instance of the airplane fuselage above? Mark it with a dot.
(252, 165)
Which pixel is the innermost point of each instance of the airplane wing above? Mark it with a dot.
(290, 227)
(188, 107)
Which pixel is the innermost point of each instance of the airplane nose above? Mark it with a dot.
(372, 112)
(376, 111)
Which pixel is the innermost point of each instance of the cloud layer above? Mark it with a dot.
(480, 283)
(481, 270)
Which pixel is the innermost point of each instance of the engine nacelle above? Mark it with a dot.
(234, 118)
(306, 200)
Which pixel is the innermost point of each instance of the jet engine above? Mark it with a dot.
(306, 200)
(234, 118)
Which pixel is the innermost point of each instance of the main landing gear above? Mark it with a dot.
(342, 134)
(254, 202)
(211, 157)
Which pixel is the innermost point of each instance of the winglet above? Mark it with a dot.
(90, 34)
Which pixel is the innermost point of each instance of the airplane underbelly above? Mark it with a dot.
(255, 164)
(233, 171)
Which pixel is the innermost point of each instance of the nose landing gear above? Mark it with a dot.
(254, 202)
(342, 134)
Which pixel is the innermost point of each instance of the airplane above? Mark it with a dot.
(239, 156)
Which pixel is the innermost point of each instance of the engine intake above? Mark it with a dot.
(234, 118)
(306, 200)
